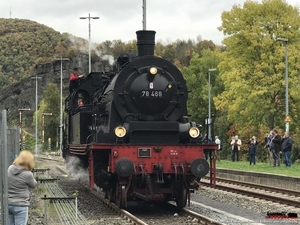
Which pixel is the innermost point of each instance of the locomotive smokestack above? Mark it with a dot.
(145, 42)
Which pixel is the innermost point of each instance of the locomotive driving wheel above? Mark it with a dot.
(121, 198)
(181, 197)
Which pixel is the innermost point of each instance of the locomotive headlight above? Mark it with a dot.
(120, 131)
(194, 132)
(153, 70)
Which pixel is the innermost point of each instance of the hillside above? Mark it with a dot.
(24, 44)
(28, 48)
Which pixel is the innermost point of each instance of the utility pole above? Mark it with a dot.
(89, 17)
(36, 108)
(287, 117)
(61, 104)
(209, 105)
(144, 14)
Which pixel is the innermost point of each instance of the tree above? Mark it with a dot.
(196, 76)
(50, 104)
(23, 43)
(253, 68)
(205, 44)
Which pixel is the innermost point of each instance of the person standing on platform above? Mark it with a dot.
(252, 150)
(268, 139)
(286, 146)
(276, 147)
(218, 142)
(207, 153)
(236, 147)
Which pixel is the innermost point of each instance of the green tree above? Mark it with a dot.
(196, 76)
(252, 66)
(49, 104)
(24, 43)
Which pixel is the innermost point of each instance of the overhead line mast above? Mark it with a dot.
(144, 14)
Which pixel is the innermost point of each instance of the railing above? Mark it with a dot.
(65, 206)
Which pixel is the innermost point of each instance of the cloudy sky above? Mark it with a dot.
(119, 19)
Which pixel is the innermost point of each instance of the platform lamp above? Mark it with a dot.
(287, 118)
(61, 105)
(36, 108)
(89, 17)
(209, 105)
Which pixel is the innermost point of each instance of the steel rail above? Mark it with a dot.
(64, 208)
(130, 217)
(135, 220)
(202, 219)
(260, 186)
(269, 197)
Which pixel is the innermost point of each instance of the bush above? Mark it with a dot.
(295, 157)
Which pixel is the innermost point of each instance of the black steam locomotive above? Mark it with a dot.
(133, 133)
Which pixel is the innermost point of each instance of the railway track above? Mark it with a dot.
(138, 219)
(201, 219)
(282, 196)
(135, 219)
(130, 217)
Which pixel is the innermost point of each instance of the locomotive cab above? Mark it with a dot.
(79, 109)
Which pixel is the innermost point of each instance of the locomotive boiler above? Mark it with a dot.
(133, 133)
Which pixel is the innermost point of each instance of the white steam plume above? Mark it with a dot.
(75, 168)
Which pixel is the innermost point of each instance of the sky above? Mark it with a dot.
(120, 19)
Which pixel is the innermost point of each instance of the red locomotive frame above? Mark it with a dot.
(175, 159)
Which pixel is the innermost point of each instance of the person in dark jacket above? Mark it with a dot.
(268, 138)
(286, 147)
(74, 79)
(252, 150)
(207, 153)
(20, 180)
(276, 147)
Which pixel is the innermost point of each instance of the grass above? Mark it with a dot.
(294, 170)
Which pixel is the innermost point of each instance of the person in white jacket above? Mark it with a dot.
(235, 148)
(218, 142)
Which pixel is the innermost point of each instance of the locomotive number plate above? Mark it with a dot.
(144, 152)
(152, 94)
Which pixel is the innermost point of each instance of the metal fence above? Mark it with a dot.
(9, 149)
(13, 143)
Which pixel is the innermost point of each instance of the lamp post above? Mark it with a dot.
(61, 113)
(43, 125)
(144, 14)
(287, 119)
(209, 105)
(36, 104)
(89, 17)
(20, 123)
